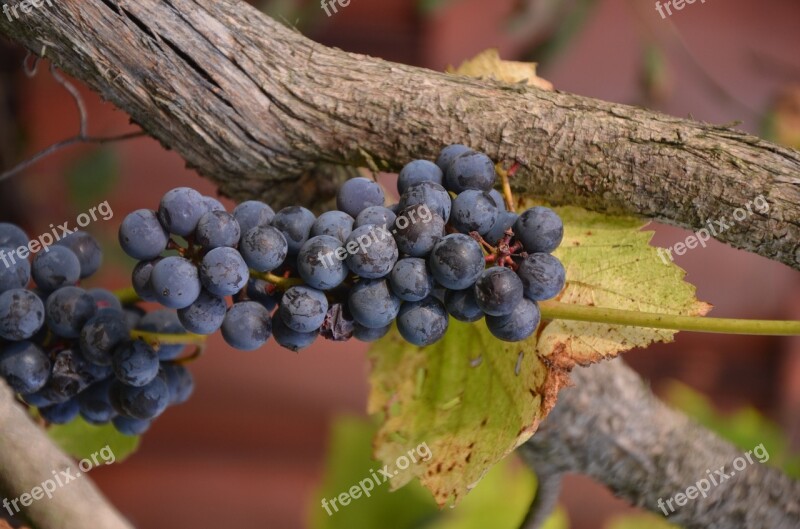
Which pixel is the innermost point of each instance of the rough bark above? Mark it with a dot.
(251, 103)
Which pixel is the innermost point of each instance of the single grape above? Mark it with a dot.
(357, 194)
(505, 221)
(372, 303)
(144, 403)
(498, 199)
(217, 229)
(303, 309)
(264, 248)
(223, 272)
(38, 399)
(498, 291)
(365, 334)
(86, 249)
(423, 322)
(21, 314)
(338, 324)
(164, 322)
(418, 230)
(543, 276)
(101, 335)
(67, 311)
(130, 426)
(372, 251)
(319, 265)
(289, 339)
(24, 366)
(252, 214)
(14, 272)
(295, 223)
(135, 363)
(334, 223)
(180, 383)
(247, 326)
(434, 196)
(95, 403)
(212, 204)
(416, 172)
(12, 236)
(105, 299)
(474, 210)
(204, 316)
(140, 279)
(461, 305)
(450, 153)
(180, 211)
(376, 215)
(175, 281)
(63, 413)
(518, 325)
(56, 268)
(71, 374)
(410, 279)
(258, 290)
(471, 170)
(539, 229)
(457, 261)
(142, 236)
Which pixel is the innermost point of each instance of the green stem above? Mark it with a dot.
(127, 296)
(554, 310)
(283, 283)
(168, 339)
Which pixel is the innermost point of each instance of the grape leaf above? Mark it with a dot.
(81, 440)
(473, 399)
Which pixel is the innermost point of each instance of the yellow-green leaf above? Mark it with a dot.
(81, 440)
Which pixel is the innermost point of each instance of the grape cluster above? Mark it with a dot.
(68, 351)
(450, 247)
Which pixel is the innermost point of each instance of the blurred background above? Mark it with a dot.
(249, 449)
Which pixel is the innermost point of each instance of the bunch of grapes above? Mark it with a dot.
(450, 247)
(68, 351)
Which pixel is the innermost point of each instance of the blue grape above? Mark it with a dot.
(334, 223)
(289, 339)
(12, 236)
(498, 200)
(63, 413)
(247, 326)
(416, 172)
(21, 314)
(461, 305)
(180, 211)
(86, 249)
(105, 299)
(24, 366)
(376, 215)
(539, 229)
(471, 170)
(372, 303)
(450, 153)
(257, 290)
(135, 363)
(264, 248)
(133, 316)
(410, 279)
(474, 210)
(223, 272)
(252, 214)
(164, 322)
(518, 325)
(175, 282)
(144, 403)
(179, 382)
(71, 374)
(365, 334)
(130, 426)
(543, 276)
(338, 324)
(303, 309)
(457, 261)
(295, 223)
(318, 264)
(357, 194)
(204, 316)
(38, 399)
(56, 268)
(14, 272)
(68, 309)
(101, 335)
(418, 230)
(505, 221)
(142, 236)
(217, 229)
(212, 204)
(372, 252)
(95, 403)
(423, 322)
(434, 196)
(140, 279)
(498, 291)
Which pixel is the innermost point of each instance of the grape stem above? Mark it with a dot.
(283, 283)
(127, 296)
(506, 185)
(555, 310)
(156, 338)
